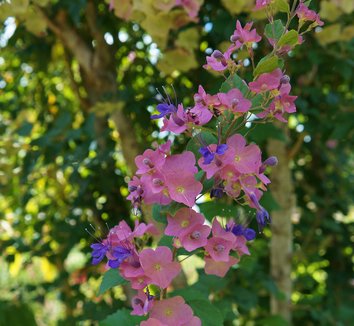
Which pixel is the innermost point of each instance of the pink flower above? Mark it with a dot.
(159, 266)
(131, 270)
(219, 248)
(199, 115)
(191, 6)
(234, 101)
(247, 159)
(245, 36)
(204, 99)
(266, 82)
(152, 322)
(141, 228)
(218, 161)
(220, 61)
(260, 4)
(195, 237)
(184, 189)
(173, 311)
(283, 103)
(177, 122)
(183, 220)
(179, 171)
(149, 161)
(141, 303)
(219, 268)
(305, 14)
(240, 246)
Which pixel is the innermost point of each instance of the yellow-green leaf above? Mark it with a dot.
(290, 38)
(267, 64)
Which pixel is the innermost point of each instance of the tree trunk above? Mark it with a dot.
(281, 241)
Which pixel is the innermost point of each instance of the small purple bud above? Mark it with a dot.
(132, 188)
(285, 79)
(148, 162)
(177, 120)
(234, 38)
(157, 182)
(198, 98)
(255, 201)
(218, 55)
(271, 161)
(216, 193)
(234, 102)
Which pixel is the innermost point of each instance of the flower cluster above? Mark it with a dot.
(223, 164)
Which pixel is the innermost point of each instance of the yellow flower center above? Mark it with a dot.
(180, 189)
(157, 267)
(237, 158)
(168, 312)
(184, 223)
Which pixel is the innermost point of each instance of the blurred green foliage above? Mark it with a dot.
(56, 177)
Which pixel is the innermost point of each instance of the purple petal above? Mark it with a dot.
(114, 263)
(221, 149)
(237, 230)
(249, 234)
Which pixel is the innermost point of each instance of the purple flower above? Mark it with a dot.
(210, 155)
(263, 218)
(120, 253)
(98, 253)
(216, 192)
(249, 234)
(262, 214)
(164, 109)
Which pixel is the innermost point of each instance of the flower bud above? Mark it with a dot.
(285, 79)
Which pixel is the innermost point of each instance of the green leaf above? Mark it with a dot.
(234, 81)
(166, 241)
(245, 298)
(213, 208)
(195, 143)
(290, 38)
(207, 312)
(157, 214)
(122, 317)
(275, 30)
(269, 202)
(282, 5)
(273, 321)
(266, 64)
(265, 131)
(110, 279)
(190, 293)
(207, 183)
